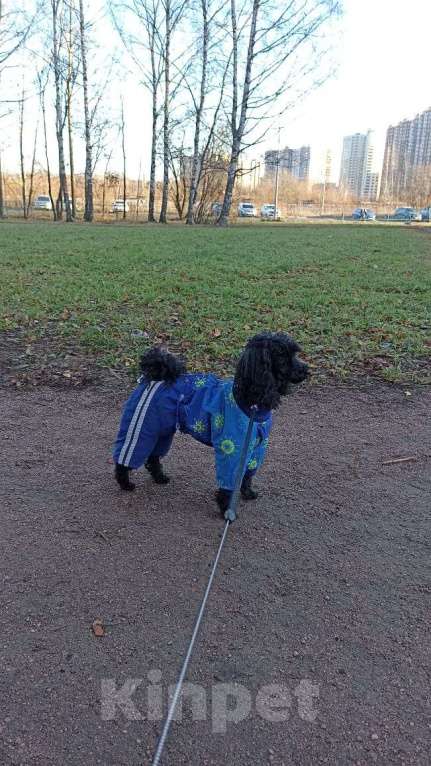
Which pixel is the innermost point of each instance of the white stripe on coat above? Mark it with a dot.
(144, 411)
(132, 423)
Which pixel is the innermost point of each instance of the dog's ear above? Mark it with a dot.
(254, 378)
(292, 345)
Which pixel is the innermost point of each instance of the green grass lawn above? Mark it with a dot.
(357, 298)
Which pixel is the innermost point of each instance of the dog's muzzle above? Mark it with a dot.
(300, 372)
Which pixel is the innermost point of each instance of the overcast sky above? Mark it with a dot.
(381, 54)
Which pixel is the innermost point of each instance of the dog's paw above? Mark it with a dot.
(223, 499)
(161, 478)
(127, 486)
(249, 494)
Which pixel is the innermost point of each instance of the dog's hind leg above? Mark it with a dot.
(153, 464)
(122, 476)
(155, 468)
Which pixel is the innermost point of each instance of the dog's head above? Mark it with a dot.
(266, 368)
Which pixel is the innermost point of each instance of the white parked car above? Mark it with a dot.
(246, 210)
(119, 206)
(42, 202)
(269, 213)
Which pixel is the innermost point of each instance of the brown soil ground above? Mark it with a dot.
(325, 578)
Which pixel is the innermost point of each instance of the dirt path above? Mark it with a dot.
(325, 580)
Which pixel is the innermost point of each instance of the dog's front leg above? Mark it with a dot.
(223, 499)
(247, 492)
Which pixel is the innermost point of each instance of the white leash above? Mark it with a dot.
(230, 517)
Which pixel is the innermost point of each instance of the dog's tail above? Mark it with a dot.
(158, 364)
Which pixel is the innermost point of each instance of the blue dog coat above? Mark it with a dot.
(200, 405)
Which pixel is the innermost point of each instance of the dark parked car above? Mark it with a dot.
(406, 214)
(363, 214)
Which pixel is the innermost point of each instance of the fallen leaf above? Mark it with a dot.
(216, 333)
(98, 628)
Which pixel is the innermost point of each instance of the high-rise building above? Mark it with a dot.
(294, 161)
(408, 148)
(371, 186)
(356, 174)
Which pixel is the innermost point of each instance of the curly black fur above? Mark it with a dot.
(122, 474)
(159, 364)
(266, 368)
(155, 468)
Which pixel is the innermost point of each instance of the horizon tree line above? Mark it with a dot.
(218, 73)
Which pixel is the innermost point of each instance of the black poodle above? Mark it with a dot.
(215, 412)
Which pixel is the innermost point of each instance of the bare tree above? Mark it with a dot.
(89, 207)
(138, 23)
(418, 187)
(202, 152)
(70, 81)
(179, 189)
(105, 177)
(212, 178)
(2, 203)
(15, 28)
(42, 87)
(57, 8)
(155, 78)
(173, 13)
(26, 198)
(32, 170)
(166, 98)
(200, 104)
(123, 148)
(269, 37)
(21, 154)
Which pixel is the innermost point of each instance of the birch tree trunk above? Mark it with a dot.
(108, 159)
(197, 159)
(59, 118)
(152, 185)
(165, 194)
(2, 202)
(69, 110)
(45, 136)
(238, 126)
(140, 24)
(123, 146)
(71, 159)
(21, 155)
(33, 165)
(88, 177)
